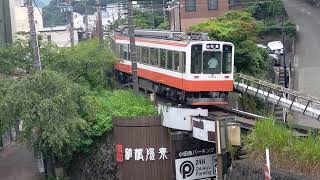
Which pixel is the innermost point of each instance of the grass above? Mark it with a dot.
(287, 151)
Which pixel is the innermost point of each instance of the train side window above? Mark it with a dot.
(176, 60)
(145, 55)
(138, 58)
(113, 45)
(124, 52)
(227, 59)
(118, 50)
(162, 58)
(169, 59)
(196, 59)
(183, 62)
(154, 55)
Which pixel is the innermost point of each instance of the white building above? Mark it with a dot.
(60, 35)
(21, 18)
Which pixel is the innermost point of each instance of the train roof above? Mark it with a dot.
(164, 37)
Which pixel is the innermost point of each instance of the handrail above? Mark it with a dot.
(284, 97)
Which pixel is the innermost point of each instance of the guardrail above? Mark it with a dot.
(278, 95)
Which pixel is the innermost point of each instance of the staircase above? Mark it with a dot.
(279, 112)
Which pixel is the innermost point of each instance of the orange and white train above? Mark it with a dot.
(196, 72)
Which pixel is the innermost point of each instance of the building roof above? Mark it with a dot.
(56, 28)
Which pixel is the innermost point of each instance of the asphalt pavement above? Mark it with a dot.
(18, 163)
(307, 53)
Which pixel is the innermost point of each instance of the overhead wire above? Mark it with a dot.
(42, 16)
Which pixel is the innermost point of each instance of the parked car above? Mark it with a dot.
(273, 57)
(276, 47)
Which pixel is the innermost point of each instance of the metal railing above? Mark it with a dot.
(278, 95)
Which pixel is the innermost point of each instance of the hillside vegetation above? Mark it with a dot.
(287, 151)
(68, 104)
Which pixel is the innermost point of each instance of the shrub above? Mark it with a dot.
(288, 151)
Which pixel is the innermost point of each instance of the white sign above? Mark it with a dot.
(148, 154)
(179, 118)
(197, 167)
(203, 129)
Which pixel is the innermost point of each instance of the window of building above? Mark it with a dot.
(145, 55)
(162, 58)
(154, 56)
(212, 4)
(191, 5)
(169, 60)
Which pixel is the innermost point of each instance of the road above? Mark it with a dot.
(307, 56)
(17, 163)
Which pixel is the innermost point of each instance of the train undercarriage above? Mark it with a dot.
(176, 95)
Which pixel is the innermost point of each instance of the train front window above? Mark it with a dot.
(227, 59)
(211, 62)
(196, 59)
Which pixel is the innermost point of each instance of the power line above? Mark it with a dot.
(42, 16)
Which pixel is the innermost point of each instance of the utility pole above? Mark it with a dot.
(34, 37)
(71, 24)
(284, 54)
(86, 20)
(133, 49)
(99, 22)
(218, 150)
(152, 10)
(284, 65)
(164, 11)
(118, 10)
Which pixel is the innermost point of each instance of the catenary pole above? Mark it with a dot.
(71, 23)
(284, 54)
(34, 37)
(99, 22)
(133, 49)
(86, 20)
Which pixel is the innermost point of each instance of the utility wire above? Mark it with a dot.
(42, 16)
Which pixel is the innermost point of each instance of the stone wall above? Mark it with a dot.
(99, 164)
(246, 170)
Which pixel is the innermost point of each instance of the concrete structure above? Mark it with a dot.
(185, 13)
(6, 21)
(60, 35)
(21, 19)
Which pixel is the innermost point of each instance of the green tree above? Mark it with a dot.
(46, 104)
(52, 15)
(240, 28)
(16, 57)
(88, 63)
(266, 10)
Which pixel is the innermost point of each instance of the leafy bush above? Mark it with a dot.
(61, 107)
(100, 107)
(264, 10)
(240, 28)
(287, 150)
(88, 63)
(16, 56)
(274, 28)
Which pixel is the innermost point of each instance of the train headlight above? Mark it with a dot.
(214, 94)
